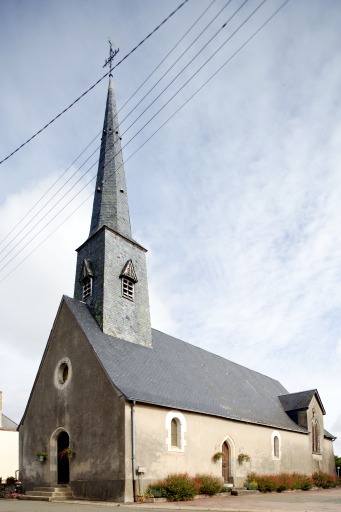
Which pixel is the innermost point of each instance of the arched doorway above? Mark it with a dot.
(225, 462)
(63, 467)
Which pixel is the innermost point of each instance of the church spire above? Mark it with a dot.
(110, 207)
(111, 274)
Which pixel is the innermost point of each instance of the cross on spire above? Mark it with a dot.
(112, 54)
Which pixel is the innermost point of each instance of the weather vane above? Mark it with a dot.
(112, 54)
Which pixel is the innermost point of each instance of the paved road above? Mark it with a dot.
(327, 500)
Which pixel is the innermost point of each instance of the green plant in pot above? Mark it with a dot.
(217, 456)
(243, 457)
(42, 456)
(67, 452)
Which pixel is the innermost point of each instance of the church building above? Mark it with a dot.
(117, 405)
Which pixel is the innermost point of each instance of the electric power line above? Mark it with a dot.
(96, 83)
(168, 54)
(122, 122)
(169, 118)
(190, 62)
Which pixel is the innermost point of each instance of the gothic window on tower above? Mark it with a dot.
(86, 279)
(128, 279)
(315, 434)
(87, 287)
(127, 288)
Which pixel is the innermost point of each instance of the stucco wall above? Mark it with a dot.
(204, 436)
(324, 460)
(87, 407)
(9, 453)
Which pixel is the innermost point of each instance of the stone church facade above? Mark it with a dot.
(135, 404)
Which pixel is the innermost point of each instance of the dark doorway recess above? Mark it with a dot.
(63, 460)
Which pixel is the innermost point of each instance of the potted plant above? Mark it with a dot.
(242, 457)
(217, 456)
(42, 456)
(67, 452)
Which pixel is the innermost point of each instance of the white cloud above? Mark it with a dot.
(237, 198)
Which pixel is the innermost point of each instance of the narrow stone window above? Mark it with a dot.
(127, 288)
(315, 434)
(174, 433)
(276, 447)
(87, 287)
(86, 279)
(176, 429)
(129, 279)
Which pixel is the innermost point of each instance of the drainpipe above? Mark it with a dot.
(133, 446)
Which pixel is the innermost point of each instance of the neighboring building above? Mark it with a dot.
(136, 404)
(9, 445)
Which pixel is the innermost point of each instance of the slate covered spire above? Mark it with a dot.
(110, 207)
(111, 273)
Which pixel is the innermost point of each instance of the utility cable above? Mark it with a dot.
(39, 211)
(54, 206)
(219, 69)
(122, 122)
(190, 62)
(166, 56)
(96, 83)
(45, 194)
(179, 58)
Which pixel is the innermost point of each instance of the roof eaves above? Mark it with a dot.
(298, 429)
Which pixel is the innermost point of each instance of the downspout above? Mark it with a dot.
(133, 447)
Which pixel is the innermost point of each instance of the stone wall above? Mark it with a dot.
(86, 406)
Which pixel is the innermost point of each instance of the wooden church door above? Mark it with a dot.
(225, 462)
(63, 460)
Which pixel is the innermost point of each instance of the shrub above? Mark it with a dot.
(252, 485)
(266, 483)
(156, 490)
(324, 480)
(176, 487)
(208, 484)
(279, 483)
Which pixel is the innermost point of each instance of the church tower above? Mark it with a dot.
(111, 273)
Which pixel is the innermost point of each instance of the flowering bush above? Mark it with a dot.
(252, 486)
(280, 482)
(10, 488)
(324, 480)
(208, 484)
(182, 487)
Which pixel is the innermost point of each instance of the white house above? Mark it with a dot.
(9, 445)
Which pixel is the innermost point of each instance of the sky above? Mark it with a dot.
(234, 186)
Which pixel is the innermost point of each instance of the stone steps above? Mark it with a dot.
(243, 492)
(62, 492)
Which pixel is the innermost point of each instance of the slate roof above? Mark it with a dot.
(300, 400)
(179, 375)
(8, 424)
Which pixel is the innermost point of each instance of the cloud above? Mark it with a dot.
(236, 199)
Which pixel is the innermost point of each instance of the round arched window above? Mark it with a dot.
(62, 373)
